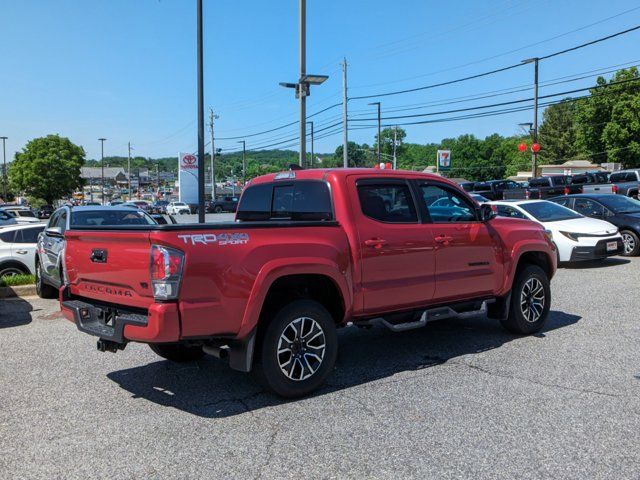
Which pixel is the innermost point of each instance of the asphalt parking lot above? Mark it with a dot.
(457, 399)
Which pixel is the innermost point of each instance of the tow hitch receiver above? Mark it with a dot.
(109, 346)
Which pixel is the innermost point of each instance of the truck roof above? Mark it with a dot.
(324, 173)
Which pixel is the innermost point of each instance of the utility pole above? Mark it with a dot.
(534, 130)
(102, 140)
(244, 159)
(302, 87)
(395, 139)
(200, 117)
(377, 104)
(212, 117)
(129, 170)
(345, 135)
(4, 169)
(310, 164)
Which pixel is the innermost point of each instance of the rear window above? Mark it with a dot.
(102, 218)
(539, 182)
(300, 200)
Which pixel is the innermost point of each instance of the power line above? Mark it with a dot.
(497, 70)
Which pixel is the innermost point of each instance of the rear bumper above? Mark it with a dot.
(159, 324)
(600, 250)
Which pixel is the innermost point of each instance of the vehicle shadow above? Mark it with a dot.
(208, 388)
(14, 312)
(603, 263)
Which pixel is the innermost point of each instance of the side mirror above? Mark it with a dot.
(487, 213)
(53, 231)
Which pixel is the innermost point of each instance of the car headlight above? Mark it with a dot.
(572, 236)
(548, 234)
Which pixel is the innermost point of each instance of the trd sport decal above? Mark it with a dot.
(221, 238)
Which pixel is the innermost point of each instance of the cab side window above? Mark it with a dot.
(387, 203)
(510, 212)
(588, 208)
(62, 221)
(446, 205)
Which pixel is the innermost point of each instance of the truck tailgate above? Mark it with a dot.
(109, 266)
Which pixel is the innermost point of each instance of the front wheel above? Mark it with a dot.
(530, 301)
(177, 352)
(298, 349)
(631, 243)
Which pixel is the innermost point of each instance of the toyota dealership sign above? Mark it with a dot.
(188, 178)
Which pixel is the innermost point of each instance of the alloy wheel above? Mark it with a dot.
(629, 243)
(532, 300)
(301, 348)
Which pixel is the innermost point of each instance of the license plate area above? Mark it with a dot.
(612, 246)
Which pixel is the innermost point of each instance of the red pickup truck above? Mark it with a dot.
(310, 251)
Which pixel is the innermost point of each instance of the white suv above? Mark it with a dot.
(18, 249)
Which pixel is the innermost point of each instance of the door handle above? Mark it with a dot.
(444, 239)
(375, 242)
(22, 252)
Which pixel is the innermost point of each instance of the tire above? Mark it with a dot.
(631, 243)
(302, 366)
(44, 290)
(177, 352)
(11, 269)
(217, 209)
(530, 301)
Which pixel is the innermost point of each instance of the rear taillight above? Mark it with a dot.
(166, 272)
(566, 190)
(614, 189)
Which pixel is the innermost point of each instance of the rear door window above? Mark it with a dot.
(28, 235)
(588, 208)
(387, 203)
(8, 237)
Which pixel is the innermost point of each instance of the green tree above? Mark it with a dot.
(358, 155)
(557, 136)
(47, 168)
(386, 144)
(608, 121)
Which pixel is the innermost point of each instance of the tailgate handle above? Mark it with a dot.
(98, 255)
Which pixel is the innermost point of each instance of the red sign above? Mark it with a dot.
(189, 161)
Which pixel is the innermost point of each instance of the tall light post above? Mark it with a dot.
(200, 116)
(377, 104)
(304, 82)
(244, 159)
(129, 170)
(4, 169)
(102, 140)
(534, 155)
(345, 128)
(311, 124)
(213, 117)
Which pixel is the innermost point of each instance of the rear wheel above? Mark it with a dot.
(177, 352)
(298, 349)
(44, 290)
(10, 270)
(217, 209)
(631, 243)
(530, 301)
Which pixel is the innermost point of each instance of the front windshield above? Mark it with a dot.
(549, 211)
(621, 204)
(178, 204)
(102, 218)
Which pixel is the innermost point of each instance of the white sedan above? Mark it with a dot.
(576, 237)
(178, 208)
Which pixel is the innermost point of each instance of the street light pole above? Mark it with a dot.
(311, 163)
(534, 155)
(244, 165)
(129, 171)
(200, 117)
(345, 134)
(102, 140)
(4, 169)
(377, 104)
(395, 139)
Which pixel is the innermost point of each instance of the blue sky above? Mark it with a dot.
(125, 69)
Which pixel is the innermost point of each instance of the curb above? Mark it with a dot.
(19, 291)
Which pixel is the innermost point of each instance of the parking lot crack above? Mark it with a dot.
(528, 380)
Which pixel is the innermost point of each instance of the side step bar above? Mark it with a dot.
(427, 316)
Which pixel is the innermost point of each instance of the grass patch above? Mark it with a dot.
(15, 280)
